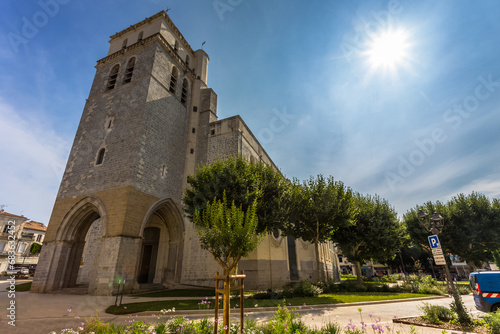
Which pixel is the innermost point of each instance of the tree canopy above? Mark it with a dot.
(471, 227)
(243, 182)
(319, 208)
(228, 233)
(377, 234)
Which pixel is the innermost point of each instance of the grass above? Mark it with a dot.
(22, 287)
(183, 293)
(337, 298)
(179, 293)
(457, 283)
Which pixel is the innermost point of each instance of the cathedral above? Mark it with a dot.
(148, 122)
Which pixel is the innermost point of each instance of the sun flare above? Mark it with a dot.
(388, 49)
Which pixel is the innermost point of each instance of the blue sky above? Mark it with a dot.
(299, 73)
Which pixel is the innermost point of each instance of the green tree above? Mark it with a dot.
(229, 234)
(35, 248)
(243, 182)
(377, 234)
(414, 227)
(319, 208)
(473, 230)
(471, 227)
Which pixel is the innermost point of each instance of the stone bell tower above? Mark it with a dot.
(136, 143)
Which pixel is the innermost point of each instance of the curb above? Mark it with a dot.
(272, 309)
(403, 320)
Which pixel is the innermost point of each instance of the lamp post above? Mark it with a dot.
(430, 259)
(435, 225)
(402, 262)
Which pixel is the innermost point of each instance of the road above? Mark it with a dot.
(40, 313)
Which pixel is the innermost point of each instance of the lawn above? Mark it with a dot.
(202, 293)
(336, 298)
(22, 287)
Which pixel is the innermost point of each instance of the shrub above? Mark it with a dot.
(331, 328)
(463, 289)
(272, 294)
(95, 325)
(493, 322)
(282, 320)
(306, 289)
(139, 327)
(348, 277)
(436, 313)
(396, 277)
(423, 284)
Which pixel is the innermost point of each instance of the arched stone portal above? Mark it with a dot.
(161, 252)
(149, 255)
(62, 257)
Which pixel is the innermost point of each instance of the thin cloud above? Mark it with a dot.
(33, 158)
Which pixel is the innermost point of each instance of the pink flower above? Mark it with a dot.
(69, 310)
(125, 307)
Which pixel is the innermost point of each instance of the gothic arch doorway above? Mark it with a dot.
(160, 261)
(73, 234)
(149, 255)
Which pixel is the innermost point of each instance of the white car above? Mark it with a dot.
(18, 271)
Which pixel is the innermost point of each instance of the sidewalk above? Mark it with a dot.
(44, 313)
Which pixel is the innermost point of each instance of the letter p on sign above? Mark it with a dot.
(434, 242)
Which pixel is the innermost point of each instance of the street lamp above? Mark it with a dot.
(435, 224)
(431, 260)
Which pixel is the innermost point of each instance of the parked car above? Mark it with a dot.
(485, 287)
(18, 271)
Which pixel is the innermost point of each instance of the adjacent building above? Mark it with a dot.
(17, 236)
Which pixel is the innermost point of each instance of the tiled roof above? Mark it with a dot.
(3, 213)
(35, 226)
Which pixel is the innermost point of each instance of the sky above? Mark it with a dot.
(395, 98)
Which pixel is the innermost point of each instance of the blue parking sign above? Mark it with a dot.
(434, 242)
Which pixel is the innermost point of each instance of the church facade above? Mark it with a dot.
(148, 122)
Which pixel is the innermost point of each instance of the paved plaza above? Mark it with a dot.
(44, 313)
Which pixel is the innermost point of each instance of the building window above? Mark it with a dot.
(140, 36)
(100, 156)
(112, 77)
(124, 45)
(191, 151)
(6, 229)
(184, 91)
(173, 80)
(193, 130)
(212, 132)
(22, 248)
(187, 60)
(129, 71)
(38, 238)
(195, 109)
(276, 233)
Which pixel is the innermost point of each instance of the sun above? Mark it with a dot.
(389, 49)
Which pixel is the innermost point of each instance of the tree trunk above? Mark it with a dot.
(227, 306)
(318, 262)
(359, 279)
(319, 277)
